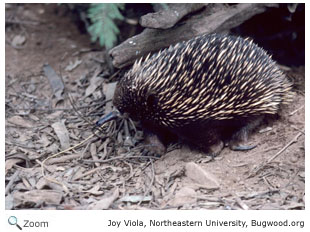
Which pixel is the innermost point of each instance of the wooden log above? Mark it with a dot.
(217, 18)
(165, 19)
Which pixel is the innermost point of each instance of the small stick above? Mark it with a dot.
(119, 157)
(23, 22)
(266, 150)
(88, 173)
(51, 179)
(293, 112)
(294, 140)
(261, 166)
(260, 194)
(296, 128)
(64, 159)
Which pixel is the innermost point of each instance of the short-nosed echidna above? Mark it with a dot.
(207, 90)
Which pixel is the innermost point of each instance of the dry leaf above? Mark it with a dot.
(62, 133)
(44, 140)
(18, 40)
(95, 82)
(105, 202)
(55, 81)
(136, 198)
(10, 163)
(42, 182)
(37, 197)
(9, 202)
(109, 90)
(19, 121)
(73, 65)
(95, 190)
(184, 196)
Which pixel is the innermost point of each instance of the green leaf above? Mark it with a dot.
(103, 27)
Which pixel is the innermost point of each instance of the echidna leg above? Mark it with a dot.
(206, 138)
(153, 145)
(240, 138)
(211, 142)
(215, 149)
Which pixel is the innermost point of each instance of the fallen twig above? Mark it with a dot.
(264, 164)
(294, 140)
(293, 112)
(120, 157)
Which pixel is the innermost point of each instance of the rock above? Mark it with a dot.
(200, 176)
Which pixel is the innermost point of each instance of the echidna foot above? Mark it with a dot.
(215, 149)
(153, 146)
(240, 138)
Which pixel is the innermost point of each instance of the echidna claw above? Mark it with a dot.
(242, 147)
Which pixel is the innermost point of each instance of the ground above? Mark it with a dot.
(44, 49)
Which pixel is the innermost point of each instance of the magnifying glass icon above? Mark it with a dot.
(13, 221)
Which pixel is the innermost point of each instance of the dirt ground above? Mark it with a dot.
(105, 173)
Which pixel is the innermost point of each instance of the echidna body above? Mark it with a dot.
(209, 89)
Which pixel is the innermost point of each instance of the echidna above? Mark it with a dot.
(208, 90)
